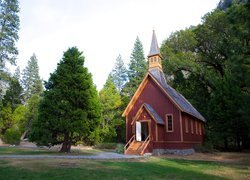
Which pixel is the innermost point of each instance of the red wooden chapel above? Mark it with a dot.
(158, 118)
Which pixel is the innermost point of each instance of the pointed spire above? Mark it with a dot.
(154, 57)
(154, 49)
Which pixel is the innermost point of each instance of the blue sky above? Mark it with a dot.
(102, 29)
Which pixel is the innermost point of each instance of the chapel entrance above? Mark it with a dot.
(141, 131)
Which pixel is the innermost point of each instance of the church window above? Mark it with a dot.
(169, 123)
(196, 127)
(186, 125)
(200, 128)
(192, 126)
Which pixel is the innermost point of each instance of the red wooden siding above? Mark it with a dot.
(161, 139)
(154, 96)
(189, 136)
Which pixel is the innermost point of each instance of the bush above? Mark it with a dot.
(12, 136)
(207, 147)
(106, 146)
(93, 138)
(119, 148)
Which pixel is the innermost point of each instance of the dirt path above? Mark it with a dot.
(101, 155)
(95, 155)
(226, 157)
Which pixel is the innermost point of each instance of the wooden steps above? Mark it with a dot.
(134, 148)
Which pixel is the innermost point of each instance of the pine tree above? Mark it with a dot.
(13, 95)
(111, 112)
(215, 55)
(70, 109)
(17, 74)
(137, 68)
(119, 73)
(9, 26)
(31, 80)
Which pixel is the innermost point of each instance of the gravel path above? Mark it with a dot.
(102, 155)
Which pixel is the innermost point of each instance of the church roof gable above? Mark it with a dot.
(150, 111)
(180, 100)
(153, 113)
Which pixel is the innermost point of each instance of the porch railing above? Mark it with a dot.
(128, 143)
(144, 145)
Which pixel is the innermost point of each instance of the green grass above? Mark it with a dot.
(147, 168)
(41, 151)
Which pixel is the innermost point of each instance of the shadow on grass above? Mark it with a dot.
(162, 169)
(205, 164)
(42, 151)
(87, 169)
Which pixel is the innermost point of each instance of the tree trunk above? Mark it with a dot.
(66, 146)
(23, 135)
(238, 142)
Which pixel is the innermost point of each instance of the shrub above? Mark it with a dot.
(12, 136)
(119, 148)
(106, 146)
(207, 147)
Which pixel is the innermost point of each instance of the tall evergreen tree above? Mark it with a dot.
(9, 26)
(119, 73)
(31, 80)
(13, 95)
(111, 112)
(17, 74)
(137, 68)
(210, 65)
(5, 78)
(70, 109)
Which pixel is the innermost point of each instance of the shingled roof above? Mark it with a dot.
(180, 100)
(154, 114)
(154, 49)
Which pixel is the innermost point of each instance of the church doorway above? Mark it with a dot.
(142, 131)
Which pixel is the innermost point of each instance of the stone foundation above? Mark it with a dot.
(158, 152)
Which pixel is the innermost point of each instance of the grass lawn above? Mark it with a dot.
(42, 151)
(146, 168)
